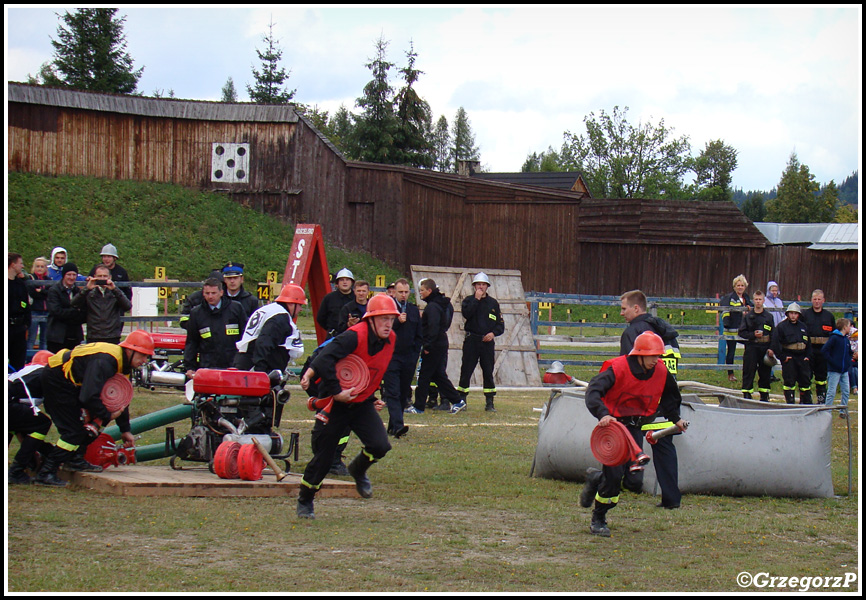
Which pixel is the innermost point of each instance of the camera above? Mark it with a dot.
(100, 282)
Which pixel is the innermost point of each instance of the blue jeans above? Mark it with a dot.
(841, 380)
(37, 328)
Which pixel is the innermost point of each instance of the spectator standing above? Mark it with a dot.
(633, 308)
(435, 321)
(353, 311)
(213, 330)
(328, 316)
(271, 337)
(372, 341)
(757, 329)
(484, 323)
(59, 257)
(196, 298)
(731, 319)
(103, 304)
(233, 280)
(819, 323)
(397, 384)
(630, 389)
(791, 347)
(118, 274)
(773, 300)
(837, 354)
(64, 329)
(855, 360)
(18, 303)
(38, 303)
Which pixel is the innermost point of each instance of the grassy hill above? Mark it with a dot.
(153, 224)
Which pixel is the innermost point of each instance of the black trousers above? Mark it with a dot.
(819, 369)
(666, 468)
(475, 351)
(33, 429)
(433, 369)
(797, 374)
(363, 419)
(397, 387)
(62, 404)
(753, 362)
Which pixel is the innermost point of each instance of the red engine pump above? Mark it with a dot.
(104, 452)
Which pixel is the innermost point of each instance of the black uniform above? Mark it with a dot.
(397, 384)
(19, 321)
(212, 335)
(482, 317)
(819, 325)
(647, 322)
(756, 349)
(790, 344)
(329, 310)
(435, 322)
(272, 344)
(25, 419)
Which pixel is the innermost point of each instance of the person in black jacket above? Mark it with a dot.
(483, 324)
(791, 346)
(271, 337)
(353, 311)
(328, 315)
(633, 308)
(397, 384)
(38, 303)
(435, 322)
(64, 321)
(18, 325)
(233, 283)
(757, 329)
(214, 328)
(118, 273)
(820, 324)
(104, 304)
(196, 298)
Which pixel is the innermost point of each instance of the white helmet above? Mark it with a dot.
(793, 307)
(108, 250)
(556, 367)
(344, 272)
(481, 278)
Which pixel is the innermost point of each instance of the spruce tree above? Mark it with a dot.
(268, 87)
(376, 126)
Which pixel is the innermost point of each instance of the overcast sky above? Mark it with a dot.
(768, 81)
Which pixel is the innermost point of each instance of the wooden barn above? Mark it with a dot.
(273, 160)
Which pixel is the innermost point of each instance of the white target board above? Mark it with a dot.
(230, 163)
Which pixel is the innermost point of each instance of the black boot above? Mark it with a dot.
(444, 404)
(48, 471)
(590, 488)
(17, 474)
(305, 502)
(77, 462)
(789, 396)
(489, 403)
(358, 470)
(598, 525)
(806, 397)
(432, 398)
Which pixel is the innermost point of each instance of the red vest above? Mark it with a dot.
(631, 396)
(377, 364)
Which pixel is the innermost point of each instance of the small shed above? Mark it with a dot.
(516, 359)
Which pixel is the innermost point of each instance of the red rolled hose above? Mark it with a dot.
(613, 445)
(225, 460)
(352, 372)
(250, 463)
(116, 393)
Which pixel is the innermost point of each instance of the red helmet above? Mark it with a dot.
(41, 357)
(292, 294)
(381, 304)
(140, 341)
(648, 344)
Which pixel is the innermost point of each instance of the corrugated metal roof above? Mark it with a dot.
(821, 236)
(151, 107)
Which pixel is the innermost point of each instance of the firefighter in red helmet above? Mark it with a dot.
(630, 389)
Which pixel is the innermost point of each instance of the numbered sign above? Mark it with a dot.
(159, 273)
(272, 276)
(264, 291)
(380, 281)
(545, 305)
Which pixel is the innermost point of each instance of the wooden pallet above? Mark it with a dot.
(141, 480)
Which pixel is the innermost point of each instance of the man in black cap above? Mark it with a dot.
(233, 279)
(64, 320)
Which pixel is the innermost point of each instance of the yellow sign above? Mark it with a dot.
(272, 276)
(380, 281)
(545, 305)
(264, 290)
(711, 304)
(159, 273)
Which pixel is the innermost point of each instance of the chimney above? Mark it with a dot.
(468, 168)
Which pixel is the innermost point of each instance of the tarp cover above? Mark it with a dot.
(726, 451)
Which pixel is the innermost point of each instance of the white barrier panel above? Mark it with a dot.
(726, 451)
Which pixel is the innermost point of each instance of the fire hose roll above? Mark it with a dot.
(352, 372)
(116, 393)
(250, 463)
(613, 445)
(225, 460)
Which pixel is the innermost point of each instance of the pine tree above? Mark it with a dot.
(376, 126)
(414, 120)
(268, 88)
(91, 53)
(229, 93)
(464, 147)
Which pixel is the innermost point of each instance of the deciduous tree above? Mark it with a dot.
(713, 169)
